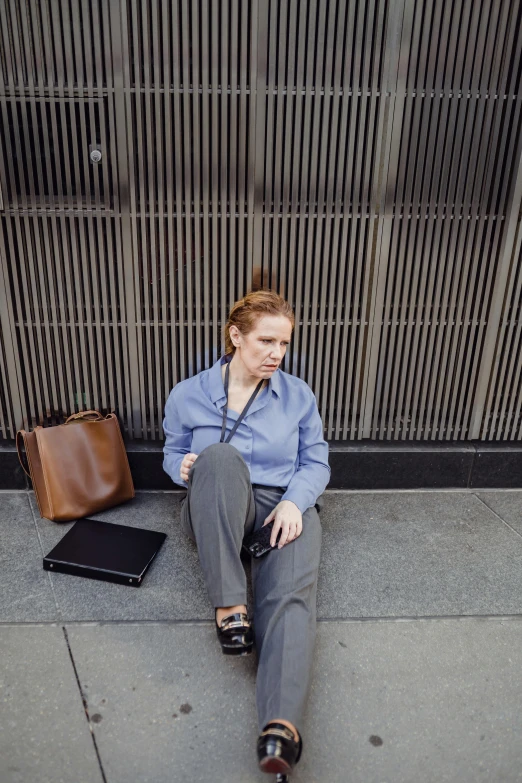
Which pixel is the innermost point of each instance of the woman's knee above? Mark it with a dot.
(219, 457)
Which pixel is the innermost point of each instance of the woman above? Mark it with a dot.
(275, 469)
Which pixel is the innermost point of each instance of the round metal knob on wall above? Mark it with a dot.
(95, 156)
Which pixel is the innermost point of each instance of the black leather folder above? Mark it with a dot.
(101, 550)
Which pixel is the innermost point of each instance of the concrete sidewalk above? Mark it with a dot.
(417, 666)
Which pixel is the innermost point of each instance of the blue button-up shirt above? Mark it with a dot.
(280, 438)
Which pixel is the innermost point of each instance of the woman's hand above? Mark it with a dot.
(188, 461)
(288, 519)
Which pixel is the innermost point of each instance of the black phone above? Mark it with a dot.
(258, 544)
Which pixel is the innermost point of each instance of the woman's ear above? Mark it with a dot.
(234, 335)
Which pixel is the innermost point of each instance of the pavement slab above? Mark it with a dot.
(402, 702)
(169, 705)
(391, 702)
(383, 555)
(25, 589)
(45, 736)
(415, 554)
(173, 588)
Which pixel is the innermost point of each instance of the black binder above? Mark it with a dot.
(102, 550)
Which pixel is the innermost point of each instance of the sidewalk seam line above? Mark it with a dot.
(332, 491)
(58, 610)
(498, 516)
(85, 706)
(471, 469)
(321, 620)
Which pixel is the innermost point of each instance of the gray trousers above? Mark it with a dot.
(220, 509)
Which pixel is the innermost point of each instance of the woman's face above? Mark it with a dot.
(262, 350)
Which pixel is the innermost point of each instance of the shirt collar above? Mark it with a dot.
(215, 381)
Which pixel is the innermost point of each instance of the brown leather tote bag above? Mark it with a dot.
(77, 468)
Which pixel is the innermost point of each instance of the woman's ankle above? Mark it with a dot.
(288, 724)
(225, 611)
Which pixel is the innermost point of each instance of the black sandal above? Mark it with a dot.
(277, 750)
(235, 634)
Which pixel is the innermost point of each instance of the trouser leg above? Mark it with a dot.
(285, 588)
(218, 512)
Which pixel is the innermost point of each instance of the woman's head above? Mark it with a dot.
(259, 328)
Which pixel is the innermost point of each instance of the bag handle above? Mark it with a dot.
(87, 415)
(20, 435)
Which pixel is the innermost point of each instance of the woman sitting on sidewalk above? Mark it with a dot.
(276, 469)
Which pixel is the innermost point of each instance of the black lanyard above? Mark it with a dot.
(243, 412)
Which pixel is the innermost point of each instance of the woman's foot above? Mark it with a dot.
(279, 747)
(234, 630)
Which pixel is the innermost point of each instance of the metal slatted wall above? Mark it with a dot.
(60, 243)
(361, 157)
(188, 105)
(314, 230)
(448, 199)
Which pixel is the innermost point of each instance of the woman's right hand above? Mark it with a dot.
(188, 461)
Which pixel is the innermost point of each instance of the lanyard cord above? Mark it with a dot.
(243, 412)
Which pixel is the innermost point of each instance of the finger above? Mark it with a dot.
(275, 531)
(284, 535)
(292, 534)
(298, 529)
(269, 517)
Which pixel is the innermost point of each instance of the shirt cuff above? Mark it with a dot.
(295, 498)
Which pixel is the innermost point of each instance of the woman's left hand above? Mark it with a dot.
(288, 519)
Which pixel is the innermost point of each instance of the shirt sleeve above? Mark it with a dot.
(313, 471)
(178, 439)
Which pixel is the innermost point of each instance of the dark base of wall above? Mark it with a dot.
(355, 465)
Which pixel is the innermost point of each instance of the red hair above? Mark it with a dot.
(247, 311)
